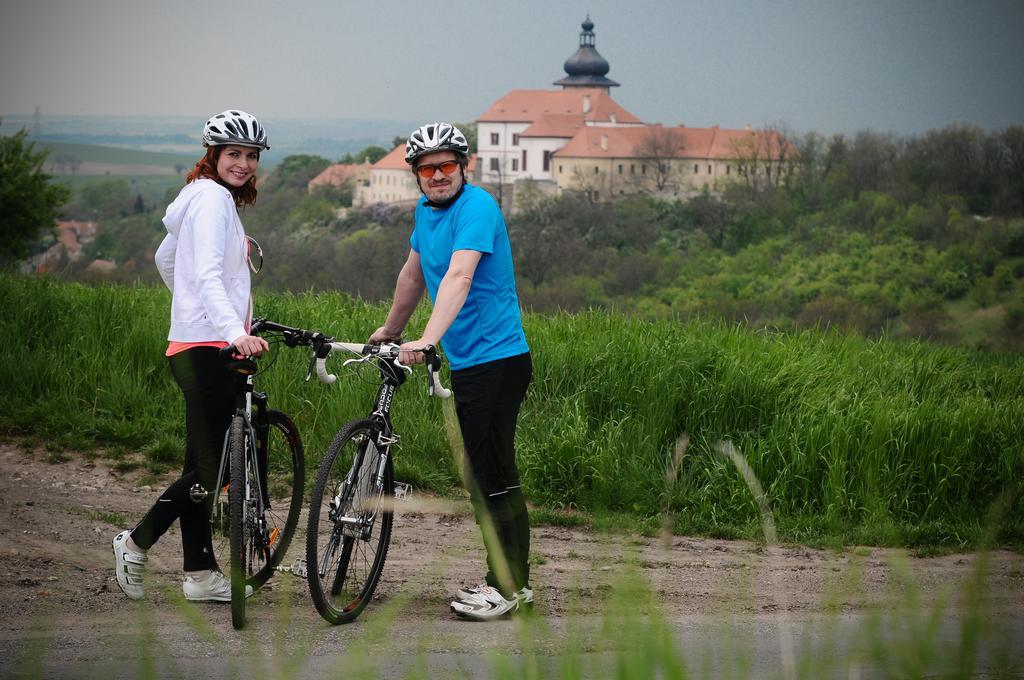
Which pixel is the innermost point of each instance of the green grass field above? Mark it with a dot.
(153, 188)
(852, 440)
(109, 154)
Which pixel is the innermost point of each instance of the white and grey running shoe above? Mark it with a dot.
(486, 604)
(129, 566)
(214, 588)
(524, 594)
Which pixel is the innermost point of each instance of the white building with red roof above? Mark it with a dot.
(579, 138)
(519, 133)
(667, 161)
(390, 182)
(339, 174)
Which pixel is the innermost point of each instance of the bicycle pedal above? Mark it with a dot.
(297, 568)
(403, 491)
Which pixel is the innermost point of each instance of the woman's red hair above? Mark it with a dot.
(206, 168)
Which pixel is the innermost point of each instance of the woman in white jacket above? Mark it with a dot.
(204, 262)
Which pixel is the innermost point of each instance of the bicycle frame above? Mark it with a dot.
(256, 441)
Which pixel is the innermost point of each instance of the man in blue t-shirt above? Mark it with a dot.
(460, 255)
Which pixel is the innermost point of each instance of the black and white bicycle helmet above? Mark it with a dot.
(235, 127)
(435, 137)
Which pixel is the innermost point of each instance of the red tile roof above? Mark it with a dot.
(395, 160)
(686, 142)
(338, 174)
(555, 125)
(527, 106)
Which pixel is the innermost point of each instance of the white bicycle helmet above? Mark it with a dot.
(235, 127)
(435, 137)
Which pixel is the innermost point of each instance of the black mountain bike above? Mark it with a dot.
(260, 482)
(351, 506)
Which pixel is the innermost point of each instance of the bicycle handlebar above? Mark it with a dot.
(293, 337)
(323, 345)
(388, 351)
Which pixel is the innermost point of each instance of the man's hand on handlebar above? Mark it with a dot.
(250, 345)
(412, 352)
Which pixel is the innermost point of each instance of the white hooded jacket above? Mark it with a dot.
(203, 262)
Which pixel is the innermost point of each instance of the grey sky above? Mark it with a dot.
(832, 65)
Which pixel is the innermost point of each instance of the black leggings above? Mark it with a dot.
(209, 404)
(487, 401)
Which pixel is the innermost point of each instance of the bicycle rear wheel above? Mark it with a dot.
(282, 480)
(350, 516)
(239, 489)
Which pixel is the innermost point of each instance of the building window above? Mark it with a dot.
(524, 160)
(494, 165)
(515, 139)
(709, 169)
(643, 169)
(695, 169)
(620, 168)
(547, 161)
(515, 165)
(494, 139)
(727, 169)
(596, 170)
(632, 169)
(559, 169)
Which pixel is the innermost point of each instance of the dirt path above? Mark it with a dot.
(62, 610)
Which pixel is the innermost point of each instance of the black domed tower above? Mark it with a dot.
(586, 68)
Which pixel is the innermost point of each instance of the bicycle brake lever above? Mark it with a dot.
(312, 363)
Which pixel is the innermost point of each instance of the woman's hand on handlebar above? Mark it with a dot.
(250, 345)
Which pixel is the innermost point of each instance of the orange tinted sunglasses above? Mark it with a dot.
(427, 170)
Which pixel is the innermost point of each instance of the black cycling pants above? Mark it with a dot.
(487, 401)
(209, 394)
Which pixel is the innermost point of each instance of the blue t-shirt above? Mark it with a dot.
(489, 326)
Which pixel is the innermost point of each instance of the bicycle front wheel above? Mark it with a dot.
(239, 489)
(350, 515)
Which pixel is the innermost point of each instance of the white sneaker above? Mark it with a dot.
(129, 566)
(485, 604)
(524, 594)
(214, 588)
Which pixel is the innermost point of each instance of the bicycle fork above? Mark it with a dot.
(348, 496)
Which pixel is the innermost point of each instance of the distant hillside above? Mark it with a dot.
(330, 138)
(114, 155)
(88, 159)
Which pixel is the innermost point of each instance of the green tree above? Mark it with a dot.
(370, 154)
(28, 202)
(105, 200)
(295, 171)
